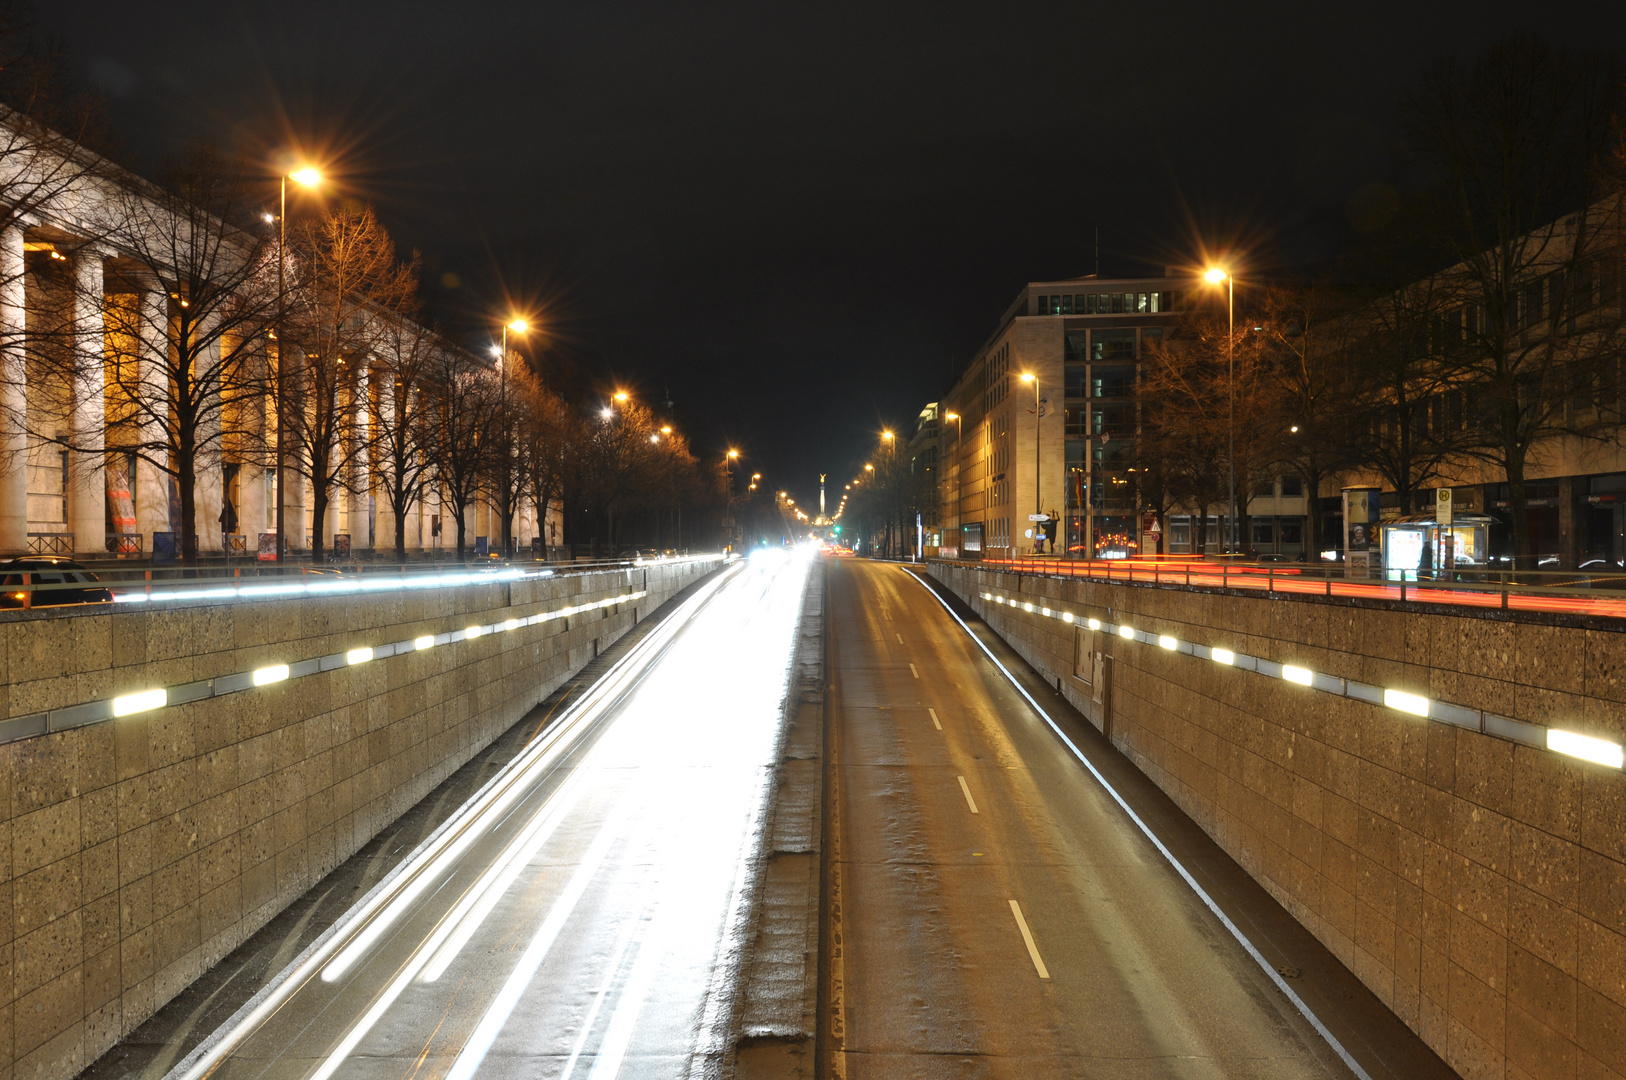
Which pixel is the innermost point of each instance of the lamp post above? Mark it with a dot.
(307, 177)
(959, 481)
(518, 326)
(1214, 275)
(1038, 498)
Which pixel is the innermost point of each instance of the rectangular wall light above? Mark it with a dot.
(1095, 624)
(271, 674)
(472, 632)
(141, 701)
(425, 642)
(1300, 675)
(1582, 746)
(1164, 641)
(1401, 701)
(511, 624)
(1126, 631)
(359, 656)
(1222, 656)
(1067, 616)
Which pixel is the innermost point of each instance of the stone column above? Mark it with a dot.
(13, 397)
(151, 482)
(87, 491)
(251, 505)
(360, 493)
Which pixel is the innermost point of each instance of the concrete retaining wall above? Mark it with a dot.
(1478, 886)
(136, 853)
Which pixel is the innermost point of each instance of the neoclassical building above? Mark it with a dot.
(71, 479)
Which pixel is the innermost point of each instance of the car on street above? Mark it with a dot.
(52, 580)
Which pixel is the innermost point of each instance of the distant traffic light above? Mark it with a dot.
(838, 530)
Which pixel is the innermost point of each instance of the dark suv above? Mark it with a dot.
(58, 574)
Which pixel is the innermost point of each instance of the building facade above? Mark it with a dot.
(70, 482)
(1060, 444)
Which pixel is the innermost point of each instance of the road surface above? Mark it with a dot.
(995, 913)
(581, 916)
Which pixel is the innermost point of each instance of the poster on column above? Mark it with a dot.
(120, 500)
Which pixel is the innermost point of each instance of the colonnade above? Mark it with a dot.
(61, 501)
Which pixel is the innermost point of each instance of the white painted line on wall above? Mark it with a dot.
(969, 801)
(935, 722)
(1242, 939)
(900, 639)
(1027, 939)
(913, 672)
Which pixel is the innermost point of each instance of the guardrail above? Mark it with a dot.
(1548, 591)
(78, 588)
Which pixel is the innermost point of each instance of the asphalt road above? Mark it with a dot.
(582, 915)
(994, 913)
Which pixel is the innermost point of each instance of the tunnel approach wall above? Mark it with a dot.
(1476, 883)
(137, 851)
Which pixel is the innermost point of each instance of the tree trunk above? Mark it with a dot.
(462, 530)
(189, 506)
(1519, 509)
(318, 517)
(398, 503)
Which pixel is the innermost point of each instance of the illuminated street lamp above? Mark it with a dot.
(620, 397)
(304, 177)
(1214, 275)
(959, 477)
(518, 326)
(1038, 500)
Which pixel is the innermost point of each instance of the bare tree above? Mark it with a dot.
(1513, 146)
(1186, 388)
(350, 288)
(460, 389)
(548, 433)
(181, 338)
(404, 355)
(1301, 328)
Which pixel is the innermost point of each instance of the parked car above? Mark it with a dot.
(53, 571)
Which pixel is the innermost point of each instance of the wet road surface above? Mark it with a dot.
(994, 913)
(581, 915)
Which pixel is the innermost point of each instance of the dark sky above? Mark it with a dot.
(796, 217)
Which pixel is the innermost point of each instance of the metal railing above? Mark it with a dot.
(41, 587)
(1550, 591)
(50, 543)
(124, 545)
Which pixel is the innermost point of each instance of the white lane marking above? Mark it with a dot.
(1242, 939)
(204, 1057)
(1027, 936)
(965, 788)
(900, 639)
(494, 884)
(474, 1051)
(935, 722)
(913, 672)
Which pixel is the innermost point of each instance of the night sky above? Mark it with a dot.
(796, 219)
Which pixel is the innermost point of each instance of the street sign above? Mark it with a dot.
(1038, 517)
(1442, 506)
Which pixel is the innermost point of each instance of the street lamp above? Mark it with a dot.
(305, 177)
(1214, 275)
(1038, 498)
(959, 480)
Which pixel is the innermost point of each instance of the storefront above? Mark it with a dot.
(1419, 546)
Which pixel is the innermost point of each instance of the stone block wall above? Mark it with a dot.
(1476, 885)
(134, 854)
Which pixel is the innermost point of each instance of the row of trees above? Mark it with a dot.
(203, 332)
(1483, 330)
